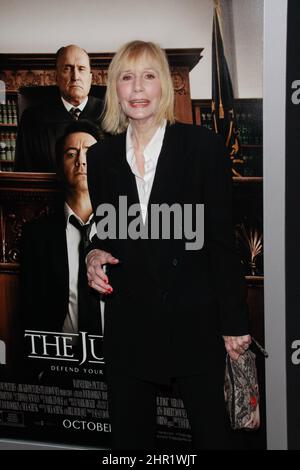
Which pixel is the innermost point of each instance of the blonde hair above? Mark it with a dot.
(114, 119)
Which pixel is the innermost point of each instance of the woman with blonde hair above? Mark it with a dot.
(174, 304)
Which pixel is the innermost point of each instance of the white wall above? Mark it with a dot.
(248, 40)
(103, 25)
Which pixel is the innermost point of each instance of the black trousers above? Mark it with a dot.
(132, 408)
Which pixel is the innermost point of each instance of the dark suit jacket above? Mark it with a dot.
(44, 284)
(44, 273)
(171, 306)
(40, 128)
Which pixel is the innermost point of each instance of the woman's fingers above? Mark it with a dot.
(96, 275)
(237, 345)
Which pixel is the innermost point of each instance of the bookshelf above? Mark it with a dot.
(249, 121)
(8, 131)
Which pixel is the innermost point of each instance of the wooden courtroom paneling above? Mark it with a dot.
(23, 197)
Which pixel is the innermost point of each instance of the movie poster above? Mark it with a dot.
(52, 384)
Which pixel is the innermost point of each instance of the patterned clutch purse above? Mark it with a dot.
(241, 390)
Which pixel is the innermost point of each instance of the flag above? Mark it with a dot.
(223, 115)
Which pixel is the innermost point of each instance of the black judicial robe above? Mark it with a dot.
(40, 128)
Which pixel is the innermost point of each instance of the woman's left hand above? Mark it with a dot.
(236, 345)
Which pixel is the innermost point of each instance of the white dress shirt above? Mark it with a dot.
(73, 237)
(69, 106)
(151, 154)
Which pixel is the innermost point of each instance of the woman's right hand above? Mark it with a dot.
(97, 278)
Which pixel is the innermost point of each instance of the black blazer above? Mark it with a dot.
(170, 307)
(40, 128)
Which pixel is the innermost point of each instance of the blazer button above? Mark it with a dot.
(175, 261)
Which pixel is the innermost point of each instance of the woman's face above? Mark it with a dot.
(139, 90)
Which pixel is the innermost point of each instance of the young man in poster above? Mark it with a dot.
(56, 302)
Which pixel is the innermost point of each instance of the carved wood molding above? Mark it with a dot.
(18, 70)
(9, 268)
(28, 181)
(177, 58)
(16, 79)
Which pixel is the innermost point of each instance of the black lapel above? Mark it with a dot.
(123, 177)
(168, 173)
(169, 170)
(92, 109)
(56, 112)
(166, 189)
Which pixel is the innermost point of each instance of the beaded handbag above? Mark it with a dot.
(241, 390)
